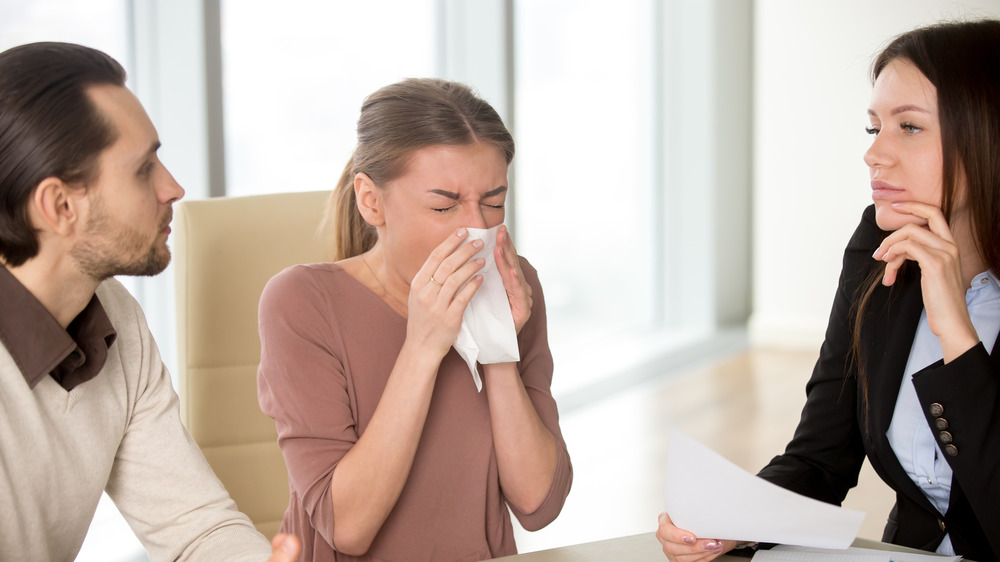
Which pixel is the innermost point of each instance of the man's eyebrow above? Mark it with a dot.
(455, 196)
(153, 147)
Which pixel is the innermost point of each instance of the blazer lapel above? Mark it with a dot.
(994, 356)
(891, 327)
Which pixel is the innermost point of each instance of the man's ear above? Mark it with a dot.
(56, 207)
(369, 199)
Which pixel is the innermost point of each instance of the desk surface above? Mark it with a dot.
(638, 548)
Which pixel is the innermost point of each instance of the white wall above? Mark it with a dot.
(810, 184)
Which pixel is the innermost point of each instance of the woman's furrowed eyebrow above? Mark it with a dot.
(455, 196)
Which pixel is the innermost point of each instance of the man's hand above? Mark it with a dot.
(284, 548)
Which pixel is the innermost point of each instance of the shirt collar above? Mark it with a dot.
(985, 279)
(40, 346)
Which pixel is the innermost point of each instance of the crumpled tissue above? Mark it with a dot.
(487, 334)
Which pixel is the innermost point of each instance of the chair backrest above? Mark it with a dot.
(225, 251)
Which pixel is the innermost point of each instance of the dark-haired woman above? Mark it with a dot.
(909, 374)
(392, 454)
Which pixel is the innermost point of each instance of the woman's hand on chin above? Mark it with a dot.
(941, 279)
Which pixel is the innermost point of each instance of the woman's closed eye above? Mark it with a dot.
(497, 206)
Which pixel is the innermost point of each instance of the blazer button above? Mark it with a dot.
(945, 437)
(951, 450)
(942, 525)
(936, 410)
(941, 424)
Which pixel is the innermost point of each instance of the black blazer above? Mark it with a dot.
(963, 397)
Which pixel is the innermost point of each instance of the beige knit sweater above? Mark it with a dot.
(120, 432)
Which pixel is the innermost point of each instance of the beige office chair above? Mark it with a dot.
(225, 250)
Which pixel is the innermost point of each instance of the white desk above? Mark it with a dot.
(638, 548)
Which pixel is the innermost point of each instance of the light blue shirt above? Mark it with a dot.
(910, 437)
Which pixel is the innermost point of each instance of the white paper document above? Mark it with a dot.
(715, 499)
(487, 334)
(785, 553)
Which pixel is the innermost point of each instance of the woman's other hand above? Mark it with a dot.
(518, 290)
(681, 546)
(437, 296)
(941, 278)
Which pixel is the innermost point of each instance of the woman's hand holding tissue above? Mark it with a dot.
(439, 293)
(518, 290)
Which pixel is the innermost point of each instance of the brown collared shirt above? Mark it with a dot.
(40, 346)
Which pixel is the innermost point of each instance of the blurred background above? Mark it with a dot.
(687, 171)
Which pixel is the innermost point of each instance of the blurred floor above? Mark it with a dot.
(745, 407)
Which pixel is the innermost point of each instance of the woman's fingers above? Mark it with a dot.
(464, 296)
(458, 268)
(682, 546)
(440, 291)
(449, 265)
(936, 221)
(918, 234)
(934, 250)
(931, 260)
(936, 257)
(518, 290)
(438, 256)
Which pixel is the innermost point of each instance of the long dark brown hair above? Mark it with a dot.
(962, 61)
(396, 121)
(49, 127)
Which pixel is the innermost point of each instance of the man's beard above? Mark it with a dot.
(104, 252)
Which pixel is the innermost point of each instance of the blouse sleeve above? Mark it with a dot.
(536, 374)
(825, 454)
(301, 383)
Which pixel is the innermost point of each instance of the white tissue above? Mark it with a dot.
(487, 334)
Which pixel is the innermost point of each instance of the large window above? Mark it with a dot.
(586, 169)
(295, 74)
(97, 23)
(584, 100)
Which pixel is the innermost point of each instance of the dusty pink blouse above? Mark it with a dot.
(328, 344)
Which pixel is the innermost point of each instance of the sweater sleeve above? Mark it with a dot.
(825, 455)
(536, 368)
(160, 480)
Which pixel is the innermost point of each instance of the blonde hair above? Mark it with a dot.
(396, 121)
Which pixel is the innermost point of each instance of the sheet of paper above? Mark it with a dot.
(713, 498)
(487, 334)
(818, 555)
(787, 553)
